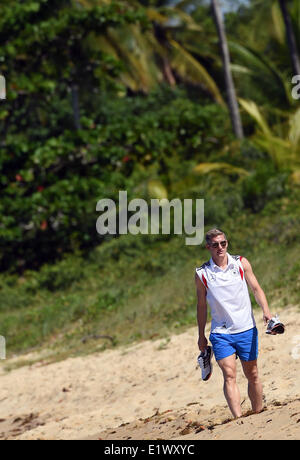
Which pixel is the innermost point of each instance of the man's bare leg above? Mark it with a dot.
(255, 390)
(231, 391)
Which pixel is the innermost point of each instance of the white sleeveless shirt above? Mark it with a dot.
(227, 296)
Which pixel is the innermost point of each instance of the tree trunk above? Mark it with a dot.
(230, 89)
(75, 106)
(290, 37)
(160, 36)
(2, 87)
(168, 73)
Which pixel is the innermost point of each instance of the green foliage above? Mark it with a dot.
(260, 51)
(70, 137)
(79, 125)
(50, 186)
(263, 186)
(136, 287)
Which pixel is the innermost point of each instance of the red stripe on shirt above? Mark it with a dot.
(241, 272)
(204, 281)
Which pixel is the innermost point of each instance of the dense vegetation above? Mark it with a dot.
(108, 95)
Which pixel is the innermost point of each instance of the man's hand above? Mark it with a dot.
(202, 344)
(266, 318)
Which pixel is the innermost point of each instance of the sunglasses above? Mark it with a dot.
(216, 245)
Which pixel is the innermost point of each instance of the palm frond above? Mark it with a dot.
(190, 182)
(252, 109)
(184, 3)
(226, 168)
(278, 23)
(262, 67)
(294, 131)
(295, 177)
(236, 68)
(278, 149)
(183, 17)
(156, 189)
(284, 151)
(155, 15)
(191, 70)
(133, 53)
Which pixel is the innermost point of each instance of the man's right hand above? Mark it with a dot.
(202, 344)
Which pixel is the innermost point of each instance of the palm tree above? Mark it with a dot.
(230, 89)
(155, 55)
(263, 54)
(281, 24)
(290, 37)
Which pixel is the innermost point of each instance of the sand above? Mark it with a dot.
(152, 390)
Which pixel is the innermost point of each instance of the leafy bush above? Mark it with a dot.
(50, 186)
(264, 185)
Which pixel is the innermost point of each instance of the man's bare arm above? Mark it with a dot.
(201, 313)
(256, 289)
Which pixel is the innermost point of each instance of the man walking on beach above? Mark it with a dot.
(222, 282)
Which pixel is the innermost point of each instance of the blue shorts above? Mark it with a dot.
(244, 344)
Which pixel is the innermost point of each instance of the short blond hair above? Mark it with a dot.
(213, 233)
